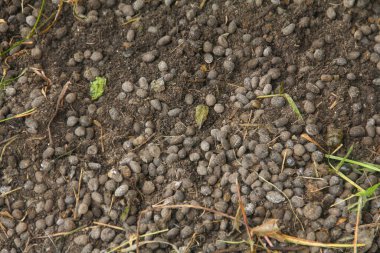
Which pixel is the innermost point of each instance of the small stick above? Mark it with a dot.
(283, 161)
(97, 123)
(59, 103)
(77, 195)
(108, 225)
(9, 192)
(6, 145)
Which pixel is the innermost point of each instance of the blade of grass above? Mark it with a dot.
(30, 34)
(336, 169)
(293, 105)
(289, 100)
(368, 166)
(270, 96)
(4, 83)
(21, 115)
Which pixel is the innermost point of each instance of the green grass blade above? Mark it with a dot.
(369, 191)
(31, 33)
(5, 82)
(336, 169)
(368, 166)
(293, 105)
(270, 96)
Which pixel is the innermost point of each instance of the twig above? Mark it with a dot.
(97, 123)
(244, 215)
(41, 74)
(63, 233)
(356, 233)
(108, 225)
(9, 192)
(59, 103)
(77, 195)
(283, 160)
(6, 145)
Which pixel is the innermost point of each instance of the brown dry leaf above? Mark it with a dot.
(41, 74)
(268, 228)
(313, 193)
(203, 68)
(6, 214)
(308, 138)
(341, 221)
(2, 21)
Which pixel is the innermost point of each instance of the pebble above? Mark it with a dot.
(121, 190)
(148, 187)
(278, 101)
(149, 56)
(71, 97)
(186, 232)
(81, 240)
(330, 13)
(82, 208)
(107, 234)
(275, 197)
(357, 131)
(30, 20)
(96, 56)
(349, 3)
(288, 29)
(21, 227)
(165, 40)
(36, 53)
(210, 100)
(261, 150)
(312, 129)
(312, 211)
(309, 107)
(219, 108)
(228, 65)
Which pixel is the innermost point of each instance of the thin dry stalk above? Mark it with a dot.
(64, 233)
(6, 145)
(283, 160)
(9, 192)
(41, 74)
(356, 233)
(97, 123)
(108, 225)
(308, 138)
(290, 203)
(77, 195)
(241, 205)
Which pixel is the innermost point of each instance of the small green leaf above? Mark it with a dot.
(97, 87)
(369, 191)
(124, 214)
(293, 105)
(201, 113)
